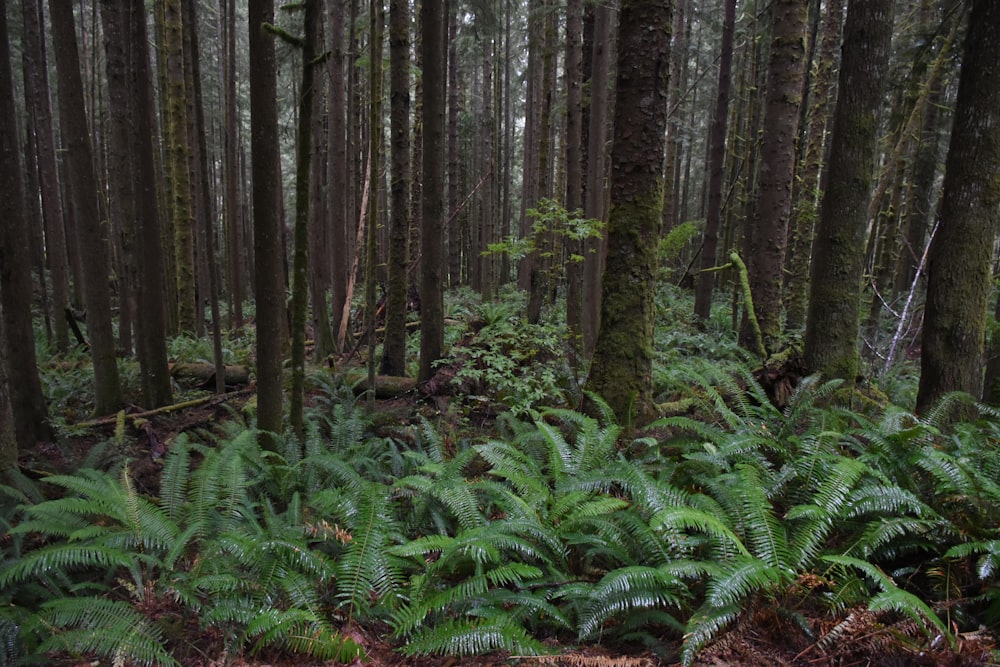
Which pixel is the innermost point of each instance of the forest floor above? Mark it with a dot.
(760, 637)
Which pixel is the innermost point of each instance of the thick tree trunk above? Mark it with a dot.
(394, 347)
(768, 239)
(338, 167)
(432, 268)
(93, 235)
(270, 283)
(574, 172)
(622, 367)
(25, 390)
(835, 279)
(131, 108)
(805, 211)
(958, 273)
(177, 151)
(595, 200)
(232, 202)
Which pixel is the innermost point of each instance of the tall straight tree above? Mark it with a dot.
(92, 233)
(394, 347)
(300, 262)
(832, 319)
(269, 272)
(958, 270)
(782, 108)
(178, 151)
(717, 161)
(40, 108)
(134, 183)
(621, 370)
(232, 201)
(432, 263)
(574, 170)
(25, 389)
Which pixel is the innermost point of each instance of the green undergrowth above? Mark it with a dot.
(557, 530)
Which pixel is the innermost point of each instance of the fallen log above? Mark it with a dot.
(203, 375)
(213, 399)
(386, 386)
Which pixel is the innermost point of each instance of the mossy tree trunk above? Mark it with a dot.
(835, 278)
(131, 109)
(178, 151)
(337, 167)
(705, 285)
(958, 273)
(621, 371)
(269, 285)
(782, 110)
(92, 231)
(394, 346)
(805, 209)
(29, 415)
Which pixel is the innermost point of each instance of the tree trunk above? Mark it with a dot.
(270, 283)
(595, 201)
(40, 107)
(300, 262)
(574, 173)
(786, 74)
(622, 367)
(958, 273)
(805, 211)
(710, 244)
(338, 166)
(394, 347)
(93, 235)
(25, 390)
(835, 278)
(131, 109)
(177, 151)
(232, 202)
(432, 268)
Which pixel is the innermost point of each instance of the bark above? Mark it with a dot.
(594, 202)
(131, 109)
(232, 202)
(709, 249)
(394, 346)
(206, 229)
(376, 20)
(807, 192)
(574, 172)
(432, 267)
(93, 234)
(22, 383)
(40, 107)
(8, 434)
(621, 371)
(835, 278)
(269, 285)
(178, 151)
(958, 272)
(300, 262)
(786, 74)
(338, 167)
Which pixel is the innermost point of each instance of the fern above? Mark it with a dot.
(627, 590)
(464, 637)
(112, 629)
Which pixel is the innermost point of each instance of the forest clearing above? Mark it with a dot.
(611, 333)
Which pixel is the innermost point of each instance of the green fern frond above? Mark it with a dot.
(760, 527)
(465, 637)
(703, 627)
(301, 632)
(735, 582)
(892, 597)
(174, 478)
(65, 557)
(111, 629)
(989, 552)
(627, 590)
(679, 519)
